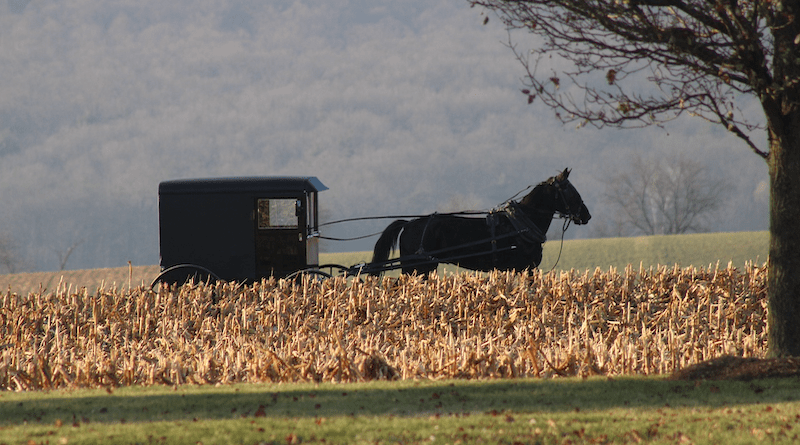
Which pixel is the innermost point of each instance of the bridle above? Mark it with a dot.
(570, 215)
(573, 215)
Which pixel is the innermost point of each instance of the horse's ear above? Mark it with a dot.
(564, 175)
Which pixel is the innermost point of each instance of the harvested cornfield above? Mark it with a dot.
(529, 324)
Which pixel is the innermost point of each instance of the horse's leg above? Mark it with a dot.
(410, 248)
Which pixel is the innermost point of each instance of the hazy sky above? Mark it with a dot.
(398, 107)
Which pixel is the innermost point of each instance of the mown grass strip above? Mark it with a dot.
(573, 410)
(699, 250)
(696, 249)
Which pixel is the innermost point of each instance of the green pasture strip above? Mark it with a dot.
(698, 250)
(594, 410)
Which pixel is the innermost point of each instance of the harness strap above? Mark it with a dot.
(527, 230)
(524, 229)
(421, 249)
(491, 220)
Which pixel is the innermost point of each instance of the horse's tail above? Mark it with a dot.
(387, 242)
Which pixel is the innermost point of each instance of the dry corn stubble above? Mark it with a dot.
(529, 324)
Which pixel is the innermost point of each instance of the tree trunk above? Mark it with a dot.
(784, 246)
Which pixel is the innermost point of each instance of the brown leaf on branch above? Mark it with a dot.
(611, 76)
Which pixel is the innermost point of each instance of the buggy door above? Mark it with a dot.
(280, 238)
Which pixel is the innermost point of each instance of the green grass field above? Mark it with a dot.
(699, 250)
(594, 410)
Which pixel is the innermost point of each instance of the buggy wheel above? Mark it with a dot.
(184, 273)
(340, 270)
(348, 273)
(312, 274)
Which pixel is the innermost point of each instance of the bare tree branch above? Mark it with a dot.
(702, 57)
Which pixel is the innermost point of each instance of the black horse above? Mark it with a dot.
(509, 238)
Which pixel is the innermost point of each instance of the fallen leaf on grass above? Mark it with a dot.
(681, 438)
(260, 412)
(634, 435)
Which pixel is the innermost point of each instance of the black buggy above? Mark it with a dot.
(247, 229)
(237, 229)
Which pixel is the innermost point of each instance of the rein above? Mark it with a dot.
(564, 228)
(366, 218)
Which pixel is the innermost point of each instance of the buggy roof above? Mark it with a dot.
(242, 185)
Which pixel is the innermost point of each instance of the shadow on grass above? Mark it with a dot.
(405, 398)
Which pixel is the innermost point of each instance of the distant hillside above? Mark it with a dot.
(685, 250)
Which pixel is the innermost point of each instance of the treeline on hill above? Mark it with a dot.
(529, 324)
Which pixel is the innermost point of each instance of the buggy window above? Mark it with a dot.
(277, 213)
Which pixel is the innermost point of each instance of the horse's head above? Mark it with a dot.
(565, 198)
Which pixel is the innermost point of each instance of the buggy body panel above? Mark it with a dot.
(241, 229)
